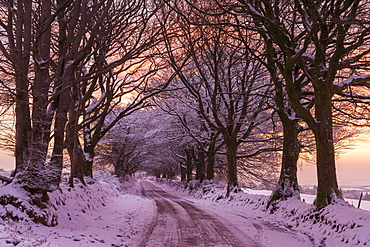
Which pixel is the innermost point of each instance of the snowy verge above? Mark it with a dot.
(70, 203)
(67, 206)
(334, 225)
(16, 204)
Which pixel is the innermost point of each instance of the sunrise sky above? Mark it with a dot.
(353, 167)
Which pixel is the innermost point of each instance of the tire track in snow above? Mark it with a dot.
(180, 223)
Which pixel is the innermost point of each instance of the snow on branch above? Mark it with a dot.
(95, 103)
(6, 179)
(353, 81)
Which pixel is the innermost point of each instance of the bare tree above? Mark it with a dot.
(321, 42)
(16, 49)
(174, 102)
(147, 140)
(97, 42)
(222, 78)
(120, 66)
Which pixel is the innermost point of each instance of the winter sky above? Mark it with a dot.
(353, 166)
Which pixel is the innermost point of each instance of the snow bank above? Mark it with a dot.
(18, 214)
(74, 202)
(16, 204)
(334, 225)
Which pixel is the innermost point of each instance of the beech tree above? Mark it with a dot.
(124, 147)
(147, 140)
(26, 44)
(75, 77)
(175, 102)
(222, 79)
(322, 42)
(102, 89)
(74, 50)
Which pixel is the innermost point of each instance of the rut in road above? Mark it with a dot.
(179, 223)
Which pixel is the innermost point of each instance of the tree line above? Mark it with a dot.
(246, 81)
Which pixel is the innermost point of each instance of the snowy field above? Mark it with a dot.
(365, 205)
(108, 213)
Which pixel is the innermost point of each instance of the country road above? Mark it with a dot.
(180, 222)
(146, 214)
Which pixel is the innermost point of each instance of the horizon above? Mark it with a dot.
(353, 168)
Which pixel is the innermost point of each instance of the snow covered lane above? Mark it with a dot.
(233, 225)
(181, 223)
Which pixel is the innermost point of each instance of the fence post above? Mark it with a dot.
(359, 202)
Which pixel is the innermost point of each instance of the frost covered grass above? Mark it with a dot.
(334, 225)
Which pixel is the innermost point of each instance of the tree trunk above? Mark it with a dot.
(171, 173)
(288, 184)
(61, 119)
(74, 148)
(118, 170)
(41, 177)
(211, 157)
(37, 177)
(76, 155)
(189, 166)
(200, 166)
(210, 165)
(89, 152)
(56, 161)
(232, 171)
(77, 164)
(21, 52)
(327, 187)
(40, 125)
(22, 125)
(183, 172)
(63, 76)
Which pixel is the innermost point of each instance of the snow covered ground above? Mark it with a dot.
(105, 213)
(333, 226)
(365, 205)
(108, 213)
